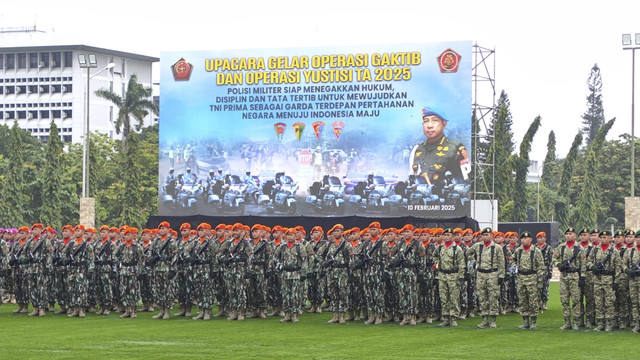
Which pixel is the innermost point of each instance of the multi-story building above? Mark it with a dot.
(39, 84)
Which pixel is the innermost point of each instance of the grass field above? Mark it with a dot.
(108, 337)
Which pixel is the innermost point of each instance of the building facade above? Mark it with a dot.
(39, 84)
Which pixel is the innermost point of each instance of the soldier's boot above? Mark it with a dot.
(334, 319)
(428, 319)
(52, 307)
(273, 312)
(151, 309)
(281, 313)
(133, 312)
(445, 323)
(187, 312)
(396, 316)
(378, 319)
(233, 315)
(166, 314)
(62, 310)
(107, 311)
(159, 315)
(600, 326)
(405, 320)
(485, 322)
(412, 320)
(41, 312)
(453, 322)
(25, 308)
(544, 305)
(74, 312)
(34, 312)
(183, 311)
(389, 317)
(101, 311)
(220, 312)
(525, 323)
(492, 321)
(81, 312)
(533, 325)
(207, 314)
(262, 313)
(295, 318)
(588, 323)
(312, 310)
(127, 313)
(422, 318)
(351, 316)
(370, 320)
(567, 323)
(608, 325)
(636, 327)
(318, 309)
(18, 309)
(145, 307)
(576, 326)
(463, 314)
(581, 322)
(287, 317)
(623, 323)
(471, 314)
(241, 314)
(356, 316)
(200, 315)
(341, 319)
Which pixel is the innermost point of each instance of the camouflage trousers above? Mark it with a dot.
(291, 300)
(407, 291)
(129, 290)
(339, 289)
(257, 291)
(604, 296)
(8, 282)
(435, 295)
(203, 287)
(162, 289)
(450, 294)
(488, 291)
(78, 286)
(622, 307)
(391, 290)
(274, 289)
(21, 286)
(356, 291)
(512, 290)
(183, 287)
(219, 288)
(115, 288)
(60, 288)
(38, 289)
(237, 286)
(544, 290)
(103, 289)
(528, 294)
(570, 295)
(464, 294)
(146, 288)
(588, 306)
(314, 288)
(425, 296)
(374, 291)
(92, 299)
(634, 292)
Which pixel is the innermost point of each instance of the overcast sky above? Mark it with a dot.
(544, 49)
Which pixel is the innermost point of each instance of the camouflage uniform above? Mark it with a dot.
(183, 282)
(631, 263)
(80, 259)
(356, 290)
(490, 272)
(200, 254)
(39, 271)
(60, 289)
(115, 278)
(4, 265)
(92, 281)
(291, 261)
(425, 285)
(274, 283)
(163, 253)
(103, 266)
(390, 279)
(315, 260)
(511, 282)
(410, 258)
(373, 283)
(432, 160)
(605, 264)
(451, 268)
(20, 275)
(338, 257)
(130, 256)
(235, 255)
(622, 305)
(587, 307)
(145, 276)
(257, 269)
(531, 269)
(569, 282)
(217, 275)
(547, 256)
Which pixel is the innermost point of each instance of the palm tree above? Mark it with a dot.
(136, 103)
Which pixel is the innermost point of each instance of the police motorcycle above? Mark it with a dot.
(188, 192)
(279, 194)
(228, 195)
(372, 194)
(415, 191)
(252, 192)
(169, 191)
(327, 195)
(451, 191)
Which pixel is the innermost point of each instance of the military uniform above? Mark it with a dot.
(104, 261)
(432, 159)
(39, 252)
(80, 258)
(257, 269)
(389, 276)
(163, 250)
(4, 266)
(316, 258)
(425, 284)
(605, 264)
(61, 274)
(200, 254)
(145, 275)
(451, 267)
(410, 258)
(235, 256)
(631, 266)
(568, 259)
(547, 256)
(183, 282)
(291, 261)
(131, 256)
(338, 259)
(20, 262)
(531, 269)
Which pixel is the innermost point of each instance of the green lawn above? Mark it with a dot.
(108, 337)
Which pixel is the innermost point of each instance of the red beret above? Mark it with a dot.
(164, 224)
(37, 225)
(185, 226)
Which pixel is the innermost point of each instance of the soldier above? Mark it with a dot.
(38, 250)
(89, 236)
(130, 256)
(621, 308)
(20, 263)
(291, 262)
(547, 256)
(319, 248)
(145, 272)
(356, 266)
(184, 280)
(490, 272)
(410, 258)
(235, 256)
(631, 266)
(79, 257)
(389, 274)
(257, 268)
(200, 254)
(374, 269)
(511, 237)
(50, 235)
(604, 264)
(567, 257)
(337, 263)
(531, 269)
(425, 278)
(449, 258)
(274, 282)
(163, 251)
(4, 263)
(114, 238)
(217, 270)
(103, 266)
(470, 293)
(588, 241)
(61, 272)
(498, 238)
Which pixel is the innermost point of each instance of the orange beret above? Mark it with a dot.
(541, 234)
(457, 231)
(124, 228)
(174, 233)
(498, 233)
(67, 227)
(291, 231)
(221, 226)
(277, 228)
(245, 227)
(81, 227)
(317, 228)
(364, 231)
(266, 228)
(384, 231)
(23, 228)
(146, 231)
(37, 225)
(193, 232)
(301, 229)
(155, 231)
(374, 224)
(104, 227)
(185, 226)
(356, 229)
(256, 227)
(467, 231)
(204, 226)
(114, 229)
(48, 228)
(131, 230)
(92, 230)
(338, 226)
(438, 231)
(164, 224)
(229, 227)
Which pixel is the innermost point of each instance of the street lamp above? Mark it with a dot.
(88, 62)
(627, 44)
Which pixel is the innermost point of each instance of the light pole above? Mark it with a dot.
(88, 62)
(627, 44)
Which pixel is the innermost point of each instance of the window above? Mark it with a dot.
(44, 114)
(68, 59)
(66, 138)
(21, 114)
(33, 60)
(44, 59)
(22, 61)
(43, 89)
(56, 57)
(11, 61)
(55, 114)
(1, 61)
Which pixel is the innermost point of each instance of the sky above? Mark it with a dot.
(544, 50)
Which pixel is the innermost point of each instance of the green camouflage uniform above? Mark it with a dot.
(163, 252)
(432, 160)
(425, 282)
(314, 270)
(373, 283)
(60, 289)
(356, 290)
(390, 278)
(21, 280)
(570, 293)
(80, 259)
(531, 270)
(104, 263)
(39, 270)
(257, 269)
(622, 307)
(145, 277)
(130, 261)
(291, 261)
(588, 306)
(183, 282)
(631, 263)
(451, 268)
(547, 256)
(339, 275)
(605, 265)
(200, 254)
(274, 281)
(490, 272)
(235, 256)
(4, 265)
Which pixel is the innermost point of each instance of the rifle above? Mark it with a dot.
(599, 268)
(72, 258)
(198, 258)
(368, 254)
(98, 260)
(258, 250)
(232, 254)
(565, 266)
(332, 257)
(634, 270)
(15, 261)
(32, 258)
(156, 254)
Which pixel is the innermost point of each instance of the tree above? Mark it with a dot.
(521, 164)
(593, 118)
(550, 174)
(137, 103)
(51, 180)
(562, 204)
(13, 196)
(501, 135)
(131, 196)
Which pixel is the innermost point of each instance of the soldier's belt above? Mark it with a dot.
(340, 266)
(259, 263)
(527, 272)
(452, 271)
(78, 263)
(409, 266)
(606, 272)
(238, 261)
(37, 261)
(129, 263)
(291, 269)
(572, 270)
(487, 271)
